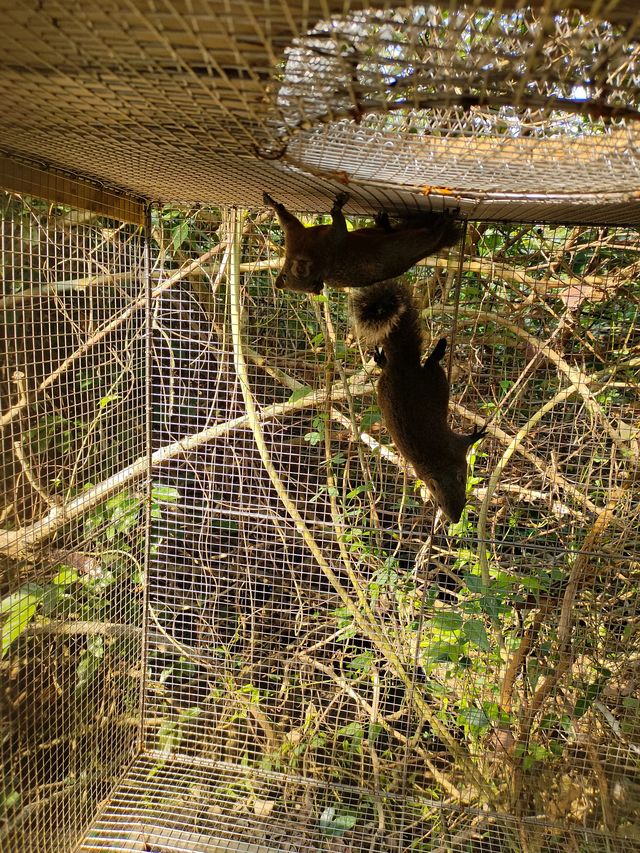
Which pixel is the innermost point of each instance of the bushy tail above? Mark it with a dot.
(386, 315)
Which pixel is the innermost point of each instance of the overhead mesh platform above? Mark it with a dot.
(512, 113)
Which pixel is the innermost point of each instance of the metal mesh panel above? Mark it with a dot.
(513, 112)
(178, 809)
(73, 415)
(377, 695)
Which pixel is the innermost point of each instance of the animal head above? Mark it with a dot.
(300, 274)
(448, 483)
(449, 488)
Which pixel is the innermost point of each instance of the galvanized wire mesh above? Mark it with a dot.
(523, 111)
(388, 682)
(233, 630)
(73, 415)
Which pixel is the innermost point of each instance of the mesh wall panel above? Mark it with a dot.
(73, 416)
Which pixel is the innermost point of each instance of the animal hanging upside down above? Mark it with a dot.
(340, 258)
(414, 397)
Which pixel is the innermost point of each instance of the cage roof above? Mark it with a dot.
(513, 112)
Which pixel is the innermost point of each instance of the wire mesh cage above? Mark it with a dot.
(372, 689)
(231, 615)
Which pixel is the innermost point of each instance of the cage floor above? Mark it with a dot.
(184, 806)
(181, 805)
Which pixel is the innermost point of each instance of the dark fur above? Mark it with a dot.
(414, 397)
(340, 258)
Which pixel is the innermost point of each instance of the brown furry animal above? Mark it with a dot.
(414, 397)
(340, 258)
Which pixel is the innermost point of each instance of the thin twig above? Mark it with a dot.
(360, 611)
(563, 641)
(136, 305)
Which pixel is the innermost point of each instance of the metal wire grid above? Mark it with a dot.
(533, 112)
(187, 808)
(424, 57)
(252, 659)
(73, 414)
(398, 154)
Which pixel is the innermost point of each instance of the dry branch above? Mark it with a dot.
(560, 397)
(360, 611)
(577, 577)
(576, 377)
(19, 542)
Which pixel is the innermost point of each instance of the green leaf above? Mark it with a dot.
(351, 730)
(362, 662)
(334, 825)
(127, 521)
(473, 583)
(318, 740)
(66, 575)
(375, 730)
(489, 604)
(164, 494)
(10, 800)
(369, 420)
(114, 503)
(20, 608)
(443, 652)
(592, 692)
(474, 718)
(365, 487)
(190, 713)
(446, 621)
(109, 398)
(7, 604)
(475, 631)
(180, 233)
(299, 393)
(169, 737)
(89, 664)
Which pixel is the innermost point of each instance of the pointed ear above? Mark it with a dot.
(438, 351)
(290, 224)
(476, 435)
(379, 356)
